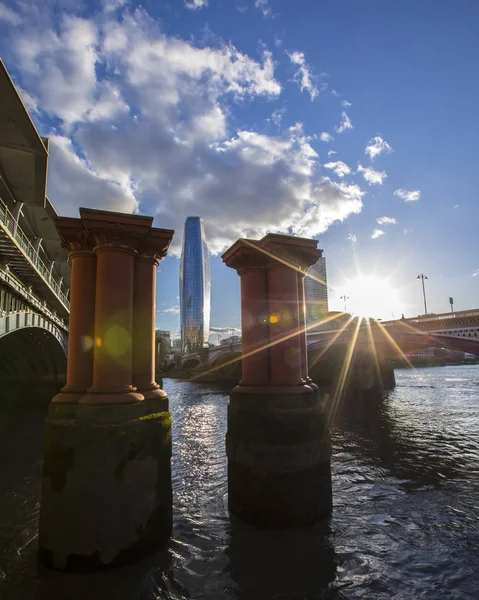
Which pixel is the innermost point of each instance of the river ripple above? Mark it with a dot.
(405, 522)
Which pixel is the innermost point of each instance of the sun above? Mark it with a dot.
(373, 297)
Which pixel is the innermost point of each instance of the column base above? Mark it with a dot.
(152, 392)
(279, 460)
(106, 486)
(97, 398)
(67, 397)
(274, 390)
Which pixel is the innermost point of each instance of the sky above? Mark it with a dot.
(351, 121)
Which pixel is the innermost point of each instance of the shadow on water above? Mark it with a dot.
(298, 564)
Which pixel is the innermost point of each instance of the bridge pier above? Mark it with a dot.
(278, 443)
(106, 484)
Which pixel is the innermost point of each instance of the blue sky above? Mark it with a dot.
(226, 109)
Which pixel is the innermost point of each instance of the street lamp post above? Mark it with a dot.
(451, 302)
(422, 277)
(344, 298)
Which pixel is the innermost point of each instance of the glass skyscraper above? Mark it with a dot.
(195, 288)
(316, 292)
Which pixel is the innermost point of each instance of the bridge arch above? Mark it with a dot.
(190, 363)
(228, 366)
(33, 357)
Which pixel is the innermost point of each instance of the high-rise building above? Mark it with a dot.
(195, 288)
(163, 345)
(316, 292)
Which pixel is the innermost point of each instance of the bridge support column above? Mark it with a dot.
(144, 319)
(82, 314)
(255, 326)
(303, 339)
(278, 442)
(106, 484)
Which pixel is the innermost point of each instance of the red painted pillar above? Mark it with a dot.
(302, 326)
(277, 442)
(114, 504)
(112, 357)
(285, 351)
(82, 311)
(255, 327)
(144, 327)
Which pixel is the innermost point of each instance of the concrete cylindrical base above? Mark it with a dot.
(279, 460)
(106, 486)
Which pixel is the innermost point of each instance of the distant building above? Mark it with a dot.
(163, 346)
(195, 288)
(316, 292)
(176, 345)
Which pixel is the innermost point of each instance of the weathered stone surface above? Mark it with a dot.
(106, 488)
(279, 453)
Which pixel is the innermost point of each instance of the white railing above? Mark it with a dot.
(25, 292)
(22, 241)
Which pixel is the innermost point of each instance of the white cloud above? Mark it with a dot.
(73, 183)
(303, 75)
(30, 101)
(9, 16)
(341, 169)
(143, 123)
(196, 4)
(263, 6)
(326, 137)
(376, 146)
(352, 238)
(345, 123)
(371, 176)
(476, 273)
(331, 152)
(377, 233)
(456, 205)
(386, 221)
(277, 116)
(345, 103)
(408, 195)
(224, 330)
(172, 309)
(112, 5)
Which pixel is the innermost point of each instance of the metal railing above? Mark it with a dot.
(18, 236)
(441, 317)
(25, 292)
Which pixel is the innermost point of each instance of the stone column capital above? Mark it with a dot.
(295, 252)
(115, 230)
(245, 255)
(155, 245)
(73, 236)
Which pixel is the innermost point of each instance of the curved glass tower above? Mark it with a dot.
(195, 288)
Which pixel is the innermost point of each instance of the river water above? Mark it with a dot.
(405, 522)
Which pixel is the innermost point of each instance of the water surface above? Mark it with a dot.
(405, 522)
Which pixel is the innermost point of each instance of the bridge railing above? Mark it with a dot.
(441, 317)
(22, 241)
(40, 305)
